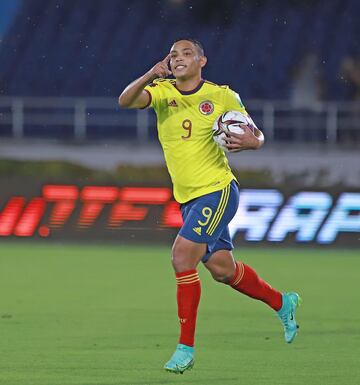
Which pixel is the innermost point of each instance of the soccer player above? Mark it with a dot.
(204, 185)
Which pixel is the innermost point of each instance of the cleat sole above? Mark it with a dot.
(182, 370)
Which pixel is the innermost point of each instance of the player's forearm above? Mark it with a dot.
(134, 95)
(130, 97)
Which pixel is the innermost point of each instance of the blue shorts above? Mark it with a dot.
(206, 219)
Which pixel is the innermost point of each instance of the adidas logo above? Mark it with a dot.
(172, 103)
(197, 230)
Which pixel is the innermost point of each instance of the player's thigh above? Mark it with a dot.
(221, 265)
(219, 259)
(186, 254)
(187, 250)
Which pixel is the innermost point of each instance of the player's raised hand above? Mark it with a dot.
(161, 69)
(246, 141)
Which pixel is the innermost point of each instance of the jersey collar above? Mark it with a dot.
(196, 89)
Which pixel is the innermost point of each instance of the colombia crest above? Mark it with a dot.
(206, 107)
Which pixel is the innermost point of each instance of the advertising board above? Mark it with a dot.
(70, 211)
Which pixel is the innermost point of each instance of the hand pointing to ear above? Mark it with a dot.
(161, 69)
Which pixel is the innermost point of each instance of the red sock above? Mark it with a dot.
(188, 298)
(248, 282)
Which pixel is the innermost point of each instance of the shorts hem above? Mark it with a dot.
(208, 255)
(193, 240)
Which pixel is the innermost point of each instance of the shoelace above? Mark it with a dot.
(285, 320)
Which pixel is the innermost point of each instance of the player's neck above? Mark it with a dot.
(186, 85)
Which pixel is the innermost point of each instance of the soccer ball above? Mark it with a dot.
(227, 122)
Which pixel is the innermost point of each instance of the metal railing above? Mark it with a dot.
(82, 119)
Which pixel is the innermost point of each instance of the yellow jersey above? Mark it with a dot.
(197, 166)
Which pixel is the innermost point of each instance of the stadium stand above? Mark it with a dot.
(93, 48)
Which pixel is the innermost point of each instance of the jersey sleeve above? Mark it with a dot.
(232, 101)
(153, 89)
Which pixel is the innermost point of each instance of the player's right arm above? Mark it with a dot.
(134, 95)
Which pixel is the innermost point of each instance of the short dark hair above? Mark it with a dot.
(196, 43)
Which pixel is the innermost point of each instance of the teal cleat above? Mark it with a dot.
(287, 315)
(181, 360)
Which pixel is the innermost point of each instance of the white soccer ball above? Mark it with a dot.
(227, 122)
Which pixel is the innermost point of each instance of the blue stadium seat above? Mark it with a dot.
(94, 48)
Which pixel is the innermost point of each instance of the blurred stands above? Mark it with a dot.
(94, 48)
(8, 9)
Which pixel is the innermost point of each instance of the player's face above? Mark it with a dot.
(186, 61)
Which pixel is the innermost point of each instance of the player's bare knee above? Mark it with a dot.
(220, 273)
(181, 263)
(180, 259)
(221, 276)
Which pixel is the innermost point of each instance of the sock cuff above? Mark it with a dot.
(187, 277)
(239, 273)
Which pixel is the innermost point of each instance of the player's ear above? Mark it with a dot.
(203, 61)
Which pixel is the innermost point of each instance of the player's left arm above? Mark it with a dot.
(252, 138)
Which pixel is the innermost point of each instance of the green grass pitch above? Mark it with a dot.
(86, 315)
